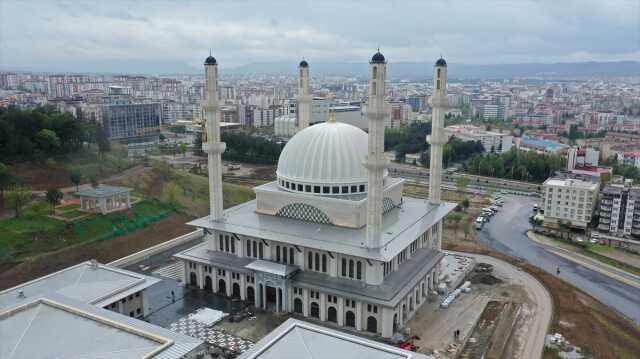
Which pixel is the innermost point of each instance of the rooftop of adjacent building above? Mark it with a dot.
(548, 144)
(61, 315)
(570, 183)
(103, 190)
(88, 282)
(56, 326)
(302, 340)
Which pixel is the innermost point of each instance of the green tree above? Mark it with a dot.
(102, 139)
(6, 178)
(454, 219)
(467, 227)
(183, 149)
(47, 141)
(75, 177)
(17, 198)
(461, 184)
(54, 196)
(465, 203)
(170, 193)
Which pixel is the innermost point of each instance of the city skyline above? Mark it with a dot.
(166, 38)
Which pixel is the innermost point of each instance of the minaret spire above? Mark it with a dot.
(304, 99)
(213, 147)
(440, 103)
(376, 162)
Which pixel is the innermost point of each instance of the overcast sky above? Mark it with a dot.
(171, 36)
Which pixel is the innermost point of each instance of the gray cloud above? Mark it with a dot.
(174, 36)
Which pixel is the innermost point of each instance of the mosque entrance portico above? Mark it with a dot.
(272, 282)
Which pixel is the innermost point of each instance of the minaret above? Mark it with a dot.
(304, 99)
(437, 139)
(376, 162)
(211, 144)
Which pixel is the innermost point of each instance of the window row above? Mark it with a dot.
(285, 255)
(317, 262)
(298, 187)
(226, 243)
(348, 269)
(254, 249)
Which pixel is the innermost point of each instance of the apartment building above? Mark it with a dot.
(620, 210)
(569, 201)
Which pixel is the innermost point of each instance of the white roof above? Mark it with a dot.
(301, 340)
(326, 153)
(59, 327)
(570, 183)
(93, 284)
(271, 267)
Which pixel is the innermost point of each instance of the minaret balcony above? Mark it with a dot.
(214, 148)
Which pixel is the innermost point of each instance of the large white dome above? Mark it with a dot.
(330, 155)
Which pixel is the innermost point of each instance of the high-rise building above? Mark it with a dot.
(619, 210)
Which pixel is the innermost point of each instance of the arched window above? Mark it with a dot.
(344, 267)
(359, 270)
(255, 252)
(351, 268)
(310, 261)
(324, 263)
(317, 262)
(284, 255)
(261, 251)
(291, 256)
(277, 253)
(438, 73)
(248, 249)
(221, 243)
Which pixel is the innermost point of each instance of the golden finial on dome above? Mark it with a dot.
(332, 116)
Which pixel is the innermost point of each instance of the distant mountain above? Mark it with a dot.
(418, 70)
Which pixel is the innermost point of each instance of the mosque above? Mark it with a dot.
(333, 239)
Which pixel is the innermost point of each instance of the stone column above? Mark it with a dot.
(359, 315)
(386, 321)
(323, 307)
(304, 98)
(305, 302)
(341, 311)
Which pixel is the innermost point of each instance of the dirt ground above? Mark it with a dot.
(38, 176)
(583, 320)
(106, 251)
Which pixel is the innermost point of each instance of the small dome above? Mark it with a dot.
(329, 153)
(441, 62)
(210, 61)
(378, 58)
(304, 63)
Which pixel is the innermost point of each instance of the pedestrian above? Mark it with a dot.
(173, 297)
(557, 270)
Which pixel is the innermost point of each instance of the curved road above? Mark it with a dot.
(506, 233)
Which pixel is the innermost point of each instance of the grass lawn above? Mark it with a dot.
(34, 233)
(193, 192)
(72, 214)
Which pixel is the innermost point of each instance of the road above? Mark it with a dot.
(506, 233)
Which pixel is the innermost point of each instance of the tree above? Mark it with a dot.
(170, 193)
(467, 227)
(6, 178)
(102, 139)
(465, 203)
(454, 218)
(47, 141)
(17, 198)
(54, 196)
(461, 184)
(94, 181)
(197, 144)
(75, 177)
(183, 149)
